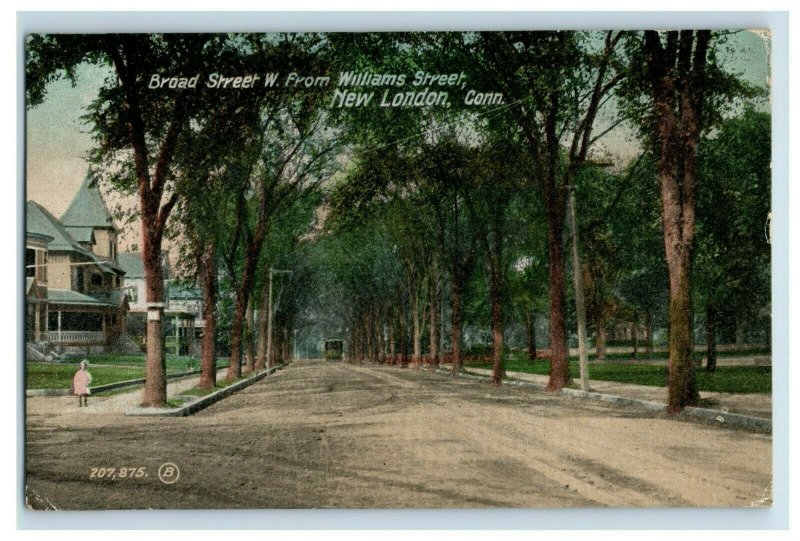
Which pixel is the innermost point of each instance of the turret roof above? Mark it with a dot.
(88, 208)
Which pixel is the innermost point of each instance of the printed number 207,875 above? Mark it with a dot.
(117, 473)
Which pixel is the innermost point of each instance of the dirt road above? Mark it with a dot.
(334, 435)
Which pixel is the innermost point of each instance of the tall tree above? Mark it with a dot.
(676, 72)
(555, 85)
(136, 130)
(497, 179)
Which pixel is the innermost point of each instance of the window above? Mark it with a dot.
(30, 263)
(97, 280)
(42, 266)
(79, 280)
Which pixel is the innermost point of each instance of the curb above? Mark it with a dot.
(732, 420)
(203, 402)
(108, 386)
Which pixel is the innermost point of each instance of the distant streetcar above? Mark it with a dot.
(333, 349)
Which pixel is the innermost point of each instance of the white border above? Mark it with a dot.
(777, 517)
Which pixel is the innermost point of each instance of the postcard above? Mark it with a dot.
(398, 270)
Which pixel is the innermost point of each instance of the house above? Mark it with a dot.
(36, 286)
(73, 284)
(183, 323)
(185, 312)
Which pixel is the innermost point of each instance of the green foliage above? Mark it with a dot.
(732, 261)
(370, 210)
(727, 379)
(722, 88)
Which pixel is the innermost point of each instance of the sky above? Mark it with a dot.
(58, 141)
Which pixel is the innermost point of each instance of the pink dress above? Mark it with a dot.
(80, 383)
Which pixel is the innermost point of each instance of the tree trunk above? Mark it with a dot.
(243, 293)
(249, 331)
(417, 331)
(124, 57)
(635, 334)
(287, 346)
(235, 362)
(455, 320)
(711, 338)
(739, 330)
(380, 354)
(559, 354)
(367, 334)
(677, 79)
(530, 327)
(648, 329)
(207, 266)
(496, 300)
(555, 209)
(263, 316)
(392, 344)
(434, 320)
(356, 342)
(403, 338)
(682, 385)
(155, 387)
(253, 246)
(352, 350)
(600, 341)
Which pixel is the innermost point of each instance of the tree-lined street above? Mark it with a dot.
(334, 435)
(405, 200)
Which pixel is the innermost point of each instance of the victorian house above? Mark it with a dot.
(74, 294)
(183, 309)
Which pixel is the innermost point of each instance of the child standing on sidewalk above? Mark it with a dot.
(80, 384)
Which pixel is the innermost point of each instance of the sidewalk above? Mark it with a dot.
(118, 402)
(752, 404)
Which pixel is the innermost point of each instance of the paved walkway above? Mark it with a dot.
(119, 402)
(754, 404)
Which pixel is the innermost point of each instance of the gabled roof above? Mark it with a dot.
(182, 292)
(131, 263)
(41, 222)
(88, 209)
(81, 234)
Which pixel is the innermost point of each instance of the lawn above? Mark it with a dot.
(727, 379)
(656, 355)
(59, 376)
(177, 364)
(104, 369)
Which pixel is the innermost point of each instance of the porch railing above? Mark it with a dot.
(76, 336)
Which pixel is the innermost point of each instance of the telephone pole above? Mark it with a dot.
(580, 306)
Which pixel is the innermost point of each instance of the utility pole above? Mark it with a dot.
(269, 315)
(580, 307)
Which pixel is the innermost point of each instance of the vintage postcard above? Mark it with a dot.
(398, 270)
